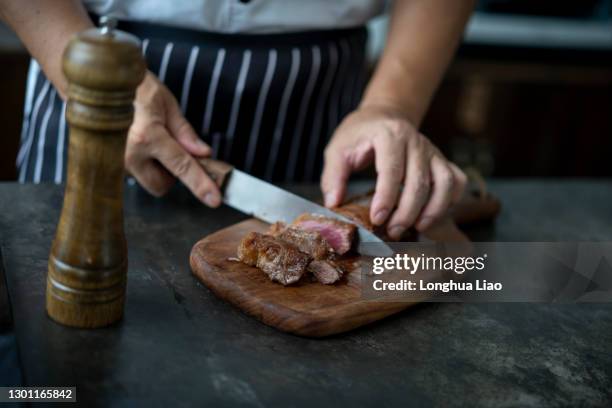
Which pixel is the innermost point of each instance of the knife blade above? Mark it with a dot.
(270, 203)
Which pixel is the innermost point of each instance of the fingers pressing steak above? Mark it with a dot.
(358, 213)
(358, 210)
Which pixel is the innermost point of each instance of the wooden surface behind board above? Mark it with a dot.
(307, 308)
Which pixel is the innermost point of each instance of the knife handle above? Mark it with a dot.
(217, 170)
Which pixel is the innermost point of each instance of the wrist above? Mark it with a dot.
(148, 88)
(401, 86)
(401, 106)
(390, 108)
(45, 30)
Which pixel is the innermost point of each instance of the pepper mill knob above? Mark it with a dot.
(87, 269)
(107, 25)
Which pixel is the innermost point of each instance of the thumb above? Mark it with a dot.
(182, 131)
(336, 172)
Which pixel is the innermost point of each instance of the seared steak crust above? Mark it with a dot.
(309, 242)
(280, 260)
(326, 271)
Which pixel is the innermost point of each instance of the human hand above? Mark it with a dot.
(162, 146)
(415, 183)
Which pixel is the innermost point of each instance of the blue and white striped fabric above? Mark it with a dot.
(266, 103)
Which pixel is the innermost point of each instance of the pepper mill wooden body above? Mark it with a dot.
(87, 269)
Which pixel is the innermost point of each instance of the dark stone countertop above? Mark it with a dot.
(179, 345)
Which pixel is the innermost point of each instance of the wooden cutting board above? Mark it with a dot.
(310, 308)
(307, 308)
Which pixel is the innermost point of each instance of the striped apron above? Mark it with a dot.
(267, 103)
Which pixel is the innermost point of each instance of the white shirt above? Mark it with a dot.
(246, 16)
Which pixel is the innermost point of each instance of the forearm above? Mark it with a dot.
(422, 38)
(45, 27)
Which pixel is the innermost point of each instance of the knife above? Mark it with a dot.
(269, 203)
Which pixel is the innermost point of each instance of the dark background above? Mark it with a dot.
(528, 95)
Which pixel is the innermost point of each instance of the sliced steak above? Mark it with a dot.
(338, 234)
(309, 242)
(248, 249)
(280, 260)
(358, 213)
(322, 267)
(326, 271)
(276, 228)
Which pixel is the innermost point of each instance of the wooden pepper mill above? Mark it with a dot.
(88, 263)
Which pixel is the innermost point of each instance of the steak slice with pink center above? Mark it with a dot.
(338, 234)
